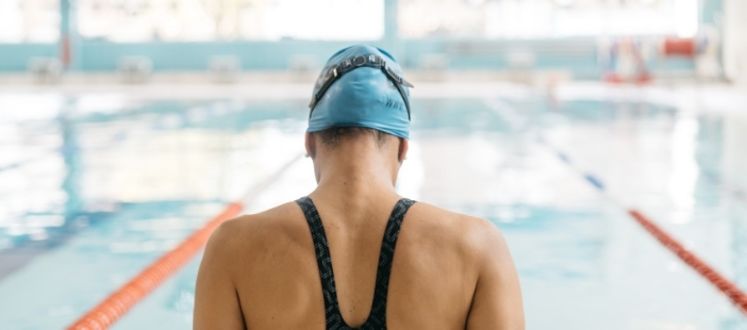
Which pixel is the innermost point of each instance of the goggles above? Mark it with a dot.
(352, 63)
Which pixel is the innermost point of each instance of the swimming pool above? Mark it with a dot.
(93, 187)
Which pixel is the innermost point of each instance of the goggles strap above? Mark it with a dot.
(352, 63)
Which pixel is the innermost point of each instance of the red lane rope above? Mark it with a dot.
(121, 301)
(737, 296)
(728, 288)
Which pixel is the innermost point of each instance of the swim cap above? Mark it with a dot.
(361, 86)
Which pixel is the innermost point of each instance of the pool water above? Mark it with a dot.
(95, 187)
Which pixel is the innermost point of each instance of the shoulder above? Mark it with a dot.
(474, 227)
(276, 224)
(478, 237)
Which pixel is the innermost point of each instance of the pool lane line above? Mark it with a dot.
(720, 282)
(727, 287)
(731, 290)
(111, 309)
(118, 303)
(594, 180)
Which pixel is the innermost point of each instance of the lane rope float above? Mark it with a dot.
(710, 274)
(123, 299)
(118, 303)
(736, 295)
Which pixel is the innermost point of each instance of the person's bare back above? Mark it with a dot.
(449, 271)
(319, 263)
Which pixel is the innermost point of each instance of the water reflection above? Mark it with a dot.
(70, 162)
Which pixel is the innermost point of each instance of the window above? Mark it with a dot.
(29, 20)
(546, 18)
(203, 20)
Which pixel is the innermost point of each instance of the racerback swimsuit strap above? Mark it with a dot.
(377, 316)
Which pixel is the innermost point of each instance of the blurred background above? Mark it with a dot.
(125, 125)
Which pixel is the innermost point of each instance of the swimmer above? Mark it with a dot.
(353, 253)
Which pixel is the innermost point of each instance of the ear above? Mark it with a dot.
(310, 144)
(404, 145)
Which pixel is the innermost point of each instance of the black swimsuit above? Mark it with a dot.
(377, 315)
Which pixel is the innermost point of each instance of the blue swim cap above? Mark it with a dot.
(361, 86)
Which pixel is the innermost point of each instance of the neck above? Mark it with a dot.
(353, 180)
(356, 173)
